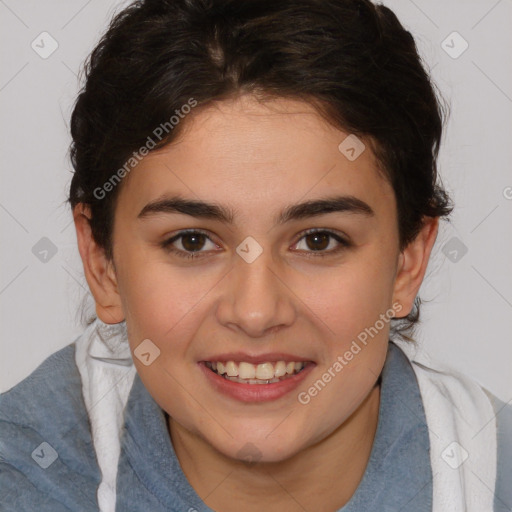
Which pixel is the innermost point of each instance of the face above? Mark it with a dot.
(282, 254)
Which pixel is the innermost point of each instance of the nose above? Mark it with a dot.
(256, 299)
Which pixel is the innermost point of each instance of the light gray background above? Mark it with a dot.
(467, 322)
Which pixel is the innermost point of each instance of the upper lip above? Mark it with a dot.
(239, 357)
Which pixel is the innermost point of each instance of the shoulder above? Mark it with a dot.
(46, 451)
(462, 392)
(503, 412)
(56, 373)
(503, 489)
(479, 421)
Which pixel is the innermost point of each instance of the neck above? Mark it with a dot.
(331, 468)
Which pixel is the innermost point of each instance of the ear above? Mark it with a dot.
(412, 264)
(99, 271)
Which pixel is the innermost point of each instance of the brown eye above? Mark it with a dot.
(189, 244)
(321, 243)
(193, 241)
(317, 241)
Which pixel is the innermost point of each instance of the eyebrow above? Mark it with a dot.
(204, 210)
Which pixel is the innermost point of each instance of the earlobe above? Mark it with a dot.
(99, 270)
(412, 265)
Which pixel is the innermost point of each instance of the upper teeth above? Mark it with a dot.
(263, 371)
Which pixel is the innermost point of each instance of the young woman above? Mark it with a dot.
(255, 199)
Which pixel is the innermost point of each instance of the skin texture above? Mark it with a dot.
(257, 159)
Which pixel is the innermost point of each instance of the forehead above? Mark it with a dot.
(250, 155)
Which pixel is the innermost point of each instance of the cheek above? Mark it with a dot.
(352, 296)
(165, 304)
(155, 294)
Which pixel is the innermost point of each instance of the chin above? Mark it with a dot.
(260, 447)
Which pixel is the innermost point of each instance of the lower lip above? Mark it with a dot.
(255, 392)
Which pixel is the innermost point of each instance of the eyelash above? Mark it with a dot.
(344, 244)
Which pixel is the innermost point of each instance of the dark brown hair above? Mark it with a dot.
(352, 60)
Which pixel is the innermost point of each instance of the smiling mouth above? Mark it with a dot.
(248, 373)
